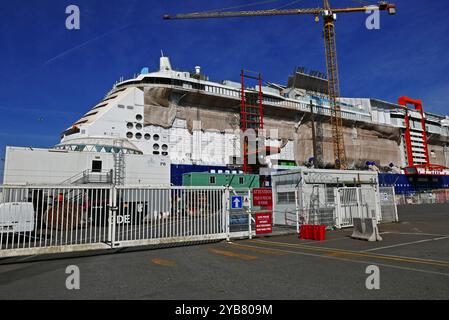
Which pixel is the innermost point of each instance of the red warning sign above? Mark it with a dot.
(263, 197)
(264, 223)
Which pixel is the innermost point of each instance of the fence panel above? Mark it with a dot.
(388, 204)
(53, 219)
(440, 196)
(355, 202)
(148, 215)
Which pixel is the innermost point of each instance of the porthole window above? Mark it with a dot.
(147, 136)
(129, 135)
(138, 135)
(155, 146)
(139, 117)
(156, 137)
(139, 126)
(129, 125)
(164, 147)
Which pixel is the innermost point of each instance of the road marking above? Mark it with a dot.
(258, 250)
(417, 233)
(163, 262)
(406, 244)
(361, 262)
(437, 263)
(232, 254)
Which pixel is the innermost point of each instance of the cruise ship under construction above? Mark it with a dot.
(192, 124)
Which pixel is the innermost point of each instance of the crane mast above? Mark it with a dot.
(333, 83)
(330, 45)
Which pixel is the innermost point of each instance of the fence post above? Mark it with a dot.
(112, 215)
(394, 204)
(297, 210)
(227, 209)
(359, 203)
(337, 208)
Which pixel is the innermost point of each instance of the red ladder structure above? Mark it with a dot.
(251, 117)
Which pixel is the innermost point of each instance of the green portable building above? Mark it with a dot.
(236, 181)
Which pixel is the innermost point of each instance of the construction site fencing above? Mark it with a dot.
(388, 204)
(356, 202)
(144, 216)
(440, 196)
(55, 219)
(336, 207)
(315, 205)
(39, 220)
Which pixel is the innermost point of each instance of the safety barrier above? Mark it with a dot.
(40, 220)
(366, 229)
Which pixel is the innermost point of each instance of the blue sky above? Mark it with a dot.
(50, 76)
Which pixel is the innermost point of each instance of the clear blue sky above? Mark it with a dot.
(50, 76)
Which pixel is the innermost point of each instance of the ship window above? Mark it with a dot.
(129, 125)
(156, 137)
(165, 153)
(129, 135)
(138, 135)
(139, 117)
(147, 136)
(164, 147)
(139, 126)
(91, 113)
(96, 166)
(241, 180)
(80, 122)
(155, 146)
(100, 105)
(212, 180)
(121, 106)
(130, 107)
(155, 152)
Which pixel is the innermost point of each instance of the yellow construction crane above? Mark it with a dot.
(329, 17)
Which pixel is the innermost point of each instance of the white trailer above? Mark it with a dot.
(16, 217)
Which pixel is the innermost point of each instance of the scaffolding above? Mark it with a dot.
(251, 117)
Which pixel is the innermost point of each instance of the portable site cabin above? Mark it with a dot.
(234, 180)
(312, 194)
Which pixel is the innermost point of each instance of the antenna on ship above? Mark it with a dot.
(162, 53)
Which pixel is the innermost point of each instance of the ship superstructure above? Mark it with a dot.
(193, 121)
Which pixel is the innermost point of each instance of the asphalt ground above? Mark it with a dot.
(413, 261)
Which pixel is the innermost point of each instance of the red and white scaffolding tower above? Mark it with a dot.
(417, 150)
(251, 117)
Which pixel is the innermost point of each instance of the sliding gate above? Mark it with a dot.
(40, 220)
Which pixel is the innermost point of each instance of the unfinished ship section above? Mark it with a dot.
(190, 120)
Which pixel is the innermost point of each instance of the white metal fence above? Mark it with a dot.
(440, 196)
(39, 220)
(165, 215)
(356, 202)
(52, 219)
(388, 204)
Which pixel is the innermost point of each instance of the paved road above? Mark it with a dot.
(413, 260)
